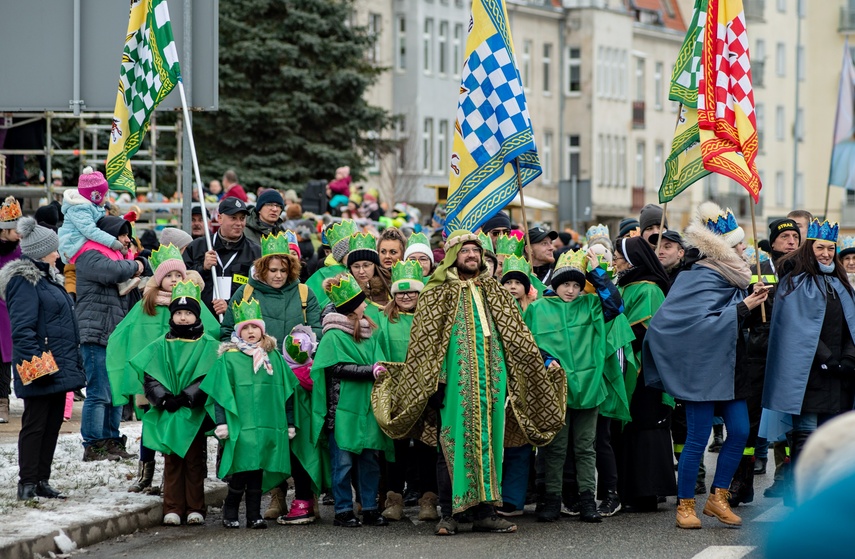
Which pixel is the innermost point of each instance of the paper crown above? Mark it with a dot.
(37, 367)
(407, 275)
(340, 231)
(508, 245)
(274, 244)
(846, 243)
(825, 231)
(186, 289)
(247, 310)
(575, 259)
(514, 263)
(292, 238)
(486, 242)
(343, 291)
(10, 210)
(363, 241)
(598, 232)
(723, 223)
(418, 239)
(164, 253)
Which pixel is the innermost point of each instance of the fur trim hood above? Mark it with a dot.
(708, 243)
(73, 198)
(26, 269)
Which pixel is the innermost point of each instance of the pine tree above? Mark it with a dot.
(292, 74)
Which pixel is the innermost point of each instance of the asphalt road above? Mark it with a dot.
(641, 535)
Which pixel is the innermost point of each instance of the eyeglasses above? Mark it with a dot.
(407, 294)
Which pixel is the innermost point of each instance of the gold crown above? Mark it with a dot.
(10, 210)
(37, 367)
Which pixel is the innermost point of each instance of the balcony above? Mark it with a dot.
(847, 20)
(755, 10)
(758, 72)
(638, 114)
(637, 199)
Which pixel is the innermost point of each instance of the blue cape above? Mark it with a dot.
(794, 336)
(690, 347)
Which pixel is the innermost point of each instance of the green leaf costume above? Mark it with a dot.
(176, 364)
(356, 428)
(254, 403)
(316, 282)
(131, 336)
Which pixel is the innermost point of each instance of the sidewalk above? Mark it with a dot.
(98, 507)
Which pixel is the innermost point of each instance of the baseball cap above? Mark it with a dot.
(537, 234)
(232, 206)
(668, 235)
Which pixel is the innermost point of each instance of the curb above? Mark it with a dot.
(84, 535)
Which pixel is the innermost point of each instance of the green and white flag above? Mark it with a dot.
(148, 73)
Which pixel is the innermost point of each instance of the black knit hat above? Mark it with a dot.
(520, 277)
(780, 225)
(565, 275)
(351, 304)
(362, 254)
(185, 304)
(627, 225)
(650, 215)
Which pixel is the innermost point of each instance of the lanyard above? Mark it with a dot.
(227, 264)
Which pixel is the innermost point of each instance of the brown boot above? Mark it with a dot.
(427, 506)
(394, 506)
(687, 518)
(277, 506)
(718, 506)
(4, 410)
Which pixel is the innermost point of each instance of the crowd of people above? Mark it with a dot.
(378, 363)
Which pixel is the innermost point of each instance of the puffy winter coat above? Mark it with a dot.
(79, 225)
(42, 317)
(100, 308)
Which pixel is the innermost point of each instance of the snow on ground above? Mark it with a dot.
(95, 490)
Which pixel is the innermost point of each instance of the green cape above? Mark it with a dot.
(553, 323)
(316, 282)
(355, 426)
(618, 336)
(393, 338)
(176, 364)
(131, 335)
(255, 414)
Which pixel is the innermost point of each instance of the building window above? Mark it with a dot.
(800, 125)
(375, 23)
(526, 65)
(442, 152)
(601, 151)
(457, 49)
(639, 79)
(427, 47)
(800, 63)
(760, 115)
(614, 78)
(622, 75)
(574, 72)
(401, 51)
(443, 47)
(610, 161)
(427, 145)
(781, 59)
(658, 164)
(601, 72)
(779, 188)
(780, 123)
(547, 68)
(572, 153)
(657, 84)
(546, 162)
(639, 164)
(622, 162)
(782, 6)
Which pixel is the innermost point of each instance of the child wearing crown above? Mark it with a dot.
(173, 367)
(82, 208)
(345, 368)
(567, 312)
(149, 318)
(249, 389)
(516, 278)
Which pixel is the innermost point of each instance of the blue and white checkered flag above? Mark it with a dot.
(493, 127)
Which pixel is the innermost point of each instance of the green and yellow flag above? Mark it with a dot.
(148, 73)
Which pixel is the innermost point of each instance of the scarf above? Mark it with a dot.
(336, 321)
(825, 268)
(185, 331)
(259, 356)
(735, 271)
(163, 299)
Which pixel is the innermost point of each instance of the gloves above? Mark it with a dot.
(292, 432)
(171, 403)
(222, 432)
(378, 370)
(183, 400)
(437, 399)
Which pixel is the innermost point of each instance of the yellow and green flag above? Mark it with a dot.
(493, 130)
(148, 73)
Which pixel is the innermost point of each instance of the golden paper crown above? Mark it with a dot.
(37, 367)
(10, 210)
(575, 259)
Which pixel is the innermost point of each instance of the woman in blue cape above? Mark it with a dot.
(694, 352)
(810, 367)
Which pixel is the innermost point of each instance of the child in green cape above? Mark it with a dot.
(249, 389)
(567, 314)
(393, 339)
(343, 374)
(173, 367)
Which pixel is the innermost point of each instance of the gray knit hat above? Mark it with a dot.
(176, 237)
(36, 241)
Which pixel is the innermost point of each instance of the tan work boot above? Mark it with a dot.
(718, 506)
(687, 518)
(394, 506)
(427, 506)
(277, 506)
(4, 410)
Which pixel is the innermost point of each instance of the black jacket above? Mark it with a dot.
(245, 252)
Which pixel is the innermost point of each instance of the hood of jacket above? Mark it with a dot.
(114, 225)
(23, 267)
(74, 198)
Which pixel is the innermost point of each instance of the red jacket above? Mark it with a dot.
(237, 191)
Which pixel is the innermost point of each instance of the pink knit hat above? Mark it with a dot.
(93, 186)
(240, 325)
(167, 266)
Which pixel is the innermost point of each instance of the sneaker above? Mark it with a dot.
(346, 520)
(760, 466)
(588, 508)
(195, 519)
(374, 518)
(549, 509)
(571, 510)
(411, 498)
(493, 524)
(446, 526)
(172, 519)
(610, 505)
(256, 524)
(327, 500)
(96, 452)
(700, 488)
(508, 510)
(302, 512)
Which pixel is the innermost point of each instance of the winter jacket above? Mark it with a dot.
(100, 308)
(255, 228)
(281, 308)
(236, 191)
(42, 317)
(245, 253)
(9, 252)
(81, 217)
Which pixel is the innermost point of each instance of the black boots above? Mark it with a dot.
(145, 475)
(742, 486)
(588, 507)
(26, 491)
(230, 508)
(549, 508)
(43, 489)
(253, 510)
(718, 438)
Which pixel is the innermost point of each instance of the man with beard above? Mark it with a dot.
(784, 238)
(10, 249)
(468, 334)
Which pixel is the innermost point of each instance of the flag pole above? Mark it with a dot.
(756, 253)
(516, 165)
(661, 228)
(201, 193)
